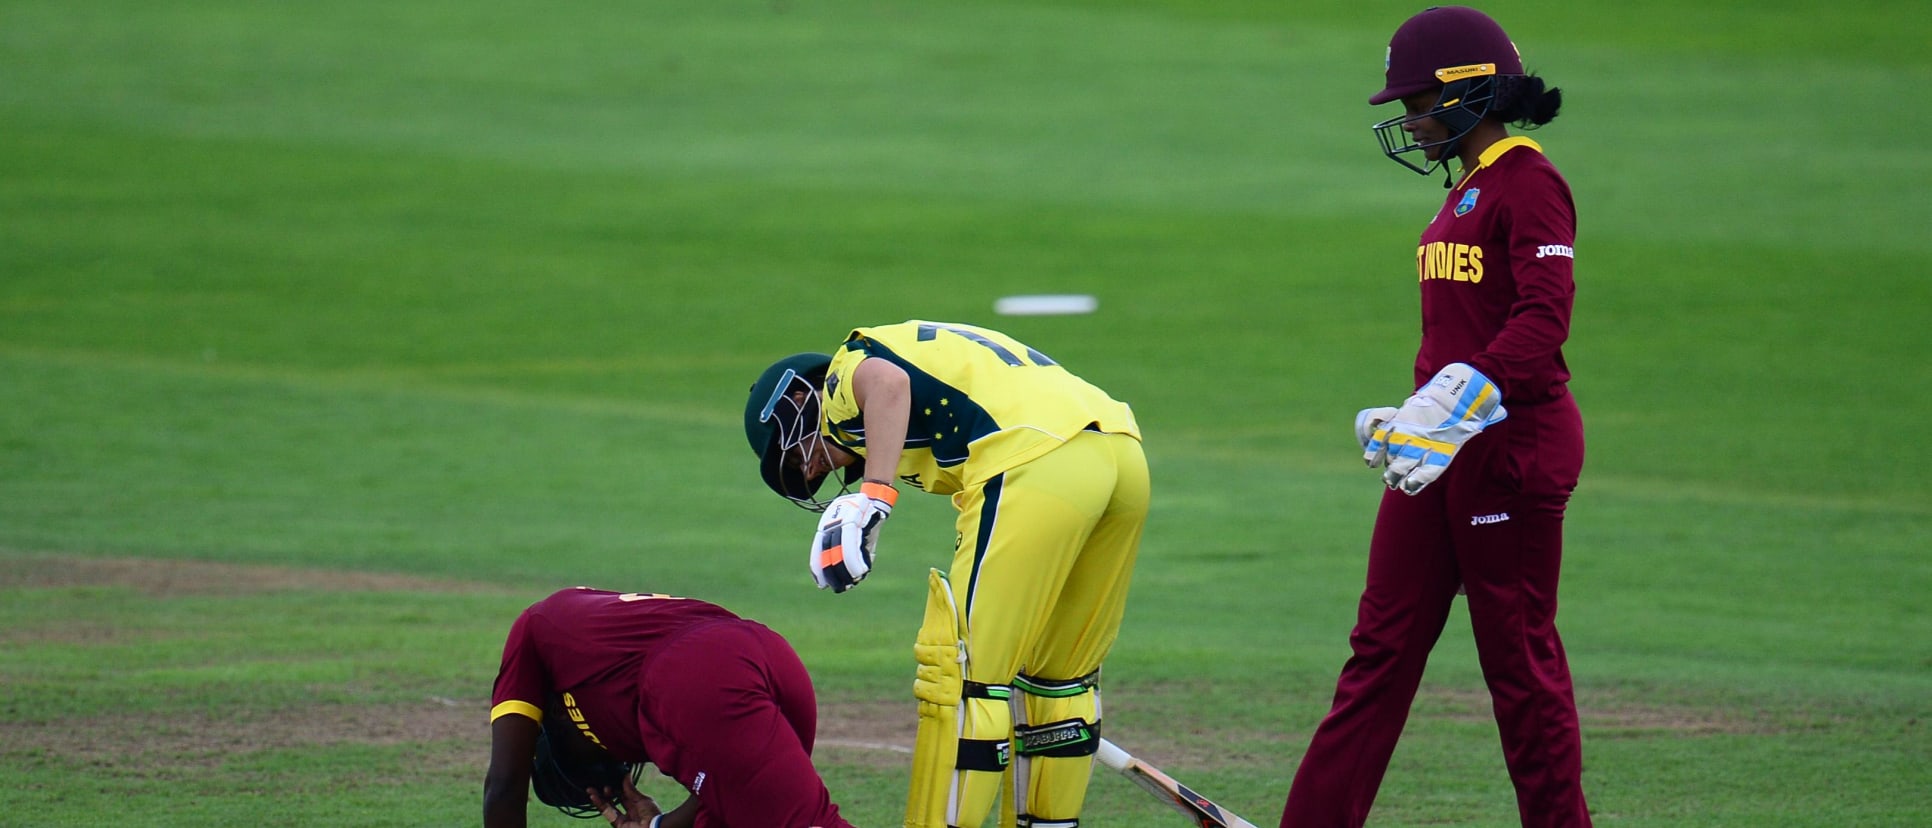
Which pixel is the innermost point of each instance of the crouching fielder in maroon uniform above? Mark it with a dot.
(1495, 273)
(594, 684)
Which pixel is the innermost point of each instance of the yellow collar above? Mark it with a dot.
(1496, 151)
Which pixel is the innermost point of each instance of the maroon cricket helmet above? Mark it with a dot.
(1442, 38)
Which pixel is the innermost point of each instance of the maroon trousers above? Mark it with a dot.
(1494, 524)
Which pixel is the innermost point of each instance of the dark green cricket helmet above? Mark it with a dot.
(782, 411)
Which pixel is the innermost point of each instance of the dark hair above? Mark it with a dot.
(1522, 100)
(567, 762)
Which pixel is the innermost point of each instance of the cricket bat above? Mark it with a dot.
(1200, 810)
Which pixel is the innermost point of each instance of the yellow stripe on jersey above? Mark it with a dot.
(1496, 151)
(520, 708)
(982, 402)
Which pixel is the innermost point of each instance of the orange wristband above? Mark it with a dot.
(879, 491)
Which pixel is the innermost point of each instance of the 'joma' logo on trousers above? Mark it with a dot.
(1485, 520)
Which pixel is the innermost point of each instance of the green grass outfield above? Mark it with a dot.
(332, 335)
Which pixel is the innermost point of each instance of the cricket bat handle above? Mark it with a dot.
(1112, 756)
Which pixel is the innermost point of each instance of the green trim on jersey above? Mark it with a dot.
(981, 402)
(944, 420)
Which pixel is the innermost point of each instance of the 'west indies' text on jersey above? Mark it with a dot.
(589, 647)
(1496, 272)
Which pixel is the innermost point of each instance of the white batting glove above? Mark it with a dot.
(847, 534)
(1425, 433)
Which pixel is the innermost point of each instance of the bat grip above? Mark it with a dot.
(1112, 756)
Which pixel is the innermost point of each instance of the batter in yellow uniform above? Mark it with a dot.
(1051, 486)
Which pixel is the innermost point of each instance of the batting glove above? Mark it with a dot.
(847, 534)
(1425, 433)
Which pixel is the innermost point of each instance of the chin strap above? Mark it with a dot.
(1449, 159)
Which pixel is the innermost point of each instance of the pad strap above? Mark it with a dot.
(1066, 738)
(1056, 688)
(992, 755)
(998, 692)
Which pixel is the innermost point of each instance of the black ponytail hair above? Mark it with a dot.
(1522, 100)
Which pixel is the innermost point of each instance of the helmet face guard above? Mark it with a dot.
(1467, 95)
(783, 417)
(1457, 49)
(794, 413)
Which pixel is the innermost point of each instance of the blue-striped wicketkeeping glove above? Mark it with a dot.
(1419, 439)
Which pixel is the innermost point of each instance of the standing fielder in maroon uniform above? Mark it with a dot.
(1494, 267)
(596, 683)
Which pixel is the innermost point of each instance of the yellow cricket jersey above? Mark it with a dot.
(982, 402)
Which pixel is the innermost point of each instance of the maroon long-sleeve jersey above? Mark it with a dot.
(1496, 272)
(588, 646)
